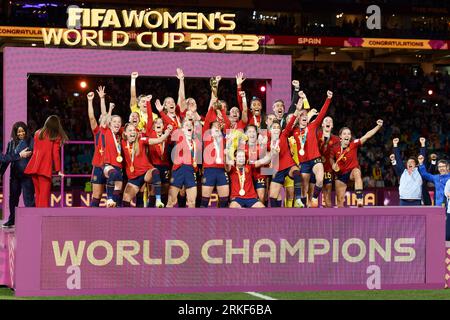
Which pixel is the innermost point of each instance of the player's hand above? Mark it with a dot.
(422, 141)
(60, 174)
(329, 94)
(379, 122)
(217, 105)
(302, 95)
(134, 75)
(180, 74)
(296, 83)
(262, 139)
(101, 92)
(392, 157)
(168, 129)
(218, 78)
(313, 113)
(336, 167)
(420, 159)
(275, 150)
(90, 96)
(111, 106)
(159, 106)
(433, 156)
(25, 153)
(240, 79)
(395, 142)
(242, 94)
(148, 97)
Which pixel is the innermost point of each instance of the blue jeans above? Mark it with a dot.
(16, 187)
(410, 202)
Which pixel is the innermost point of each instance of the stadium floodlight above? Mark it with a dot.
(83, 84)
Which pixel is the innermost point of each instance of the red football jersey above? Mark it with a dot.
(111, 152)
(254, 153)
(140, 162)
(247, 172)
(349, 159)
(285, 156)
(210, 152)
(157, 153)
(311, 147)
(99, 147)
(325, 146)
(185, 152)
(254, 120)
(238, 125)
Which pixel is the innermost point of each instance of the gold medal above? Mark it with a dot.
(132, 168)
(119, 158)
(242, 192)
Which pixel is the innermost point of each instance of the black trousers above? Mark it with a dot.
(16, 187)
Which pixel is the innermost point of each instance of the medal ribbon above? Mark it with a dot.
(241, 177)
(303, 139)
(255, 121)
(191, 145)
(217, 148)
(118, 147)
(132, 152)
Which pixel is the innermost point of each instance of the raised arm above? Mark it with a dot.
(91, 115)
(290, 125)
(313, 112)
(105, 120)
(295, 96)
(423, 171)
(372, 132)
(239, 80)
(398, 161)
(209, 118)
(101, 94)
(181, 92)
(133, 96)
(324, 109)
(149, 124)
(165, 118)
(244, 116)
(225, 119)
(214, 82)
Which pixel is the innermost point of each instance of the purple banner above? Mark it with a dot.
(85, 251)
(371, 197)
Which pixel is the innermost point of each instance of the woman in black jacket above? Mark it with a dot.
(19, 182)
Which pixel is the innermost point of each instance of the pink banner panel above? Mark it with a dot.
(87, 251)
